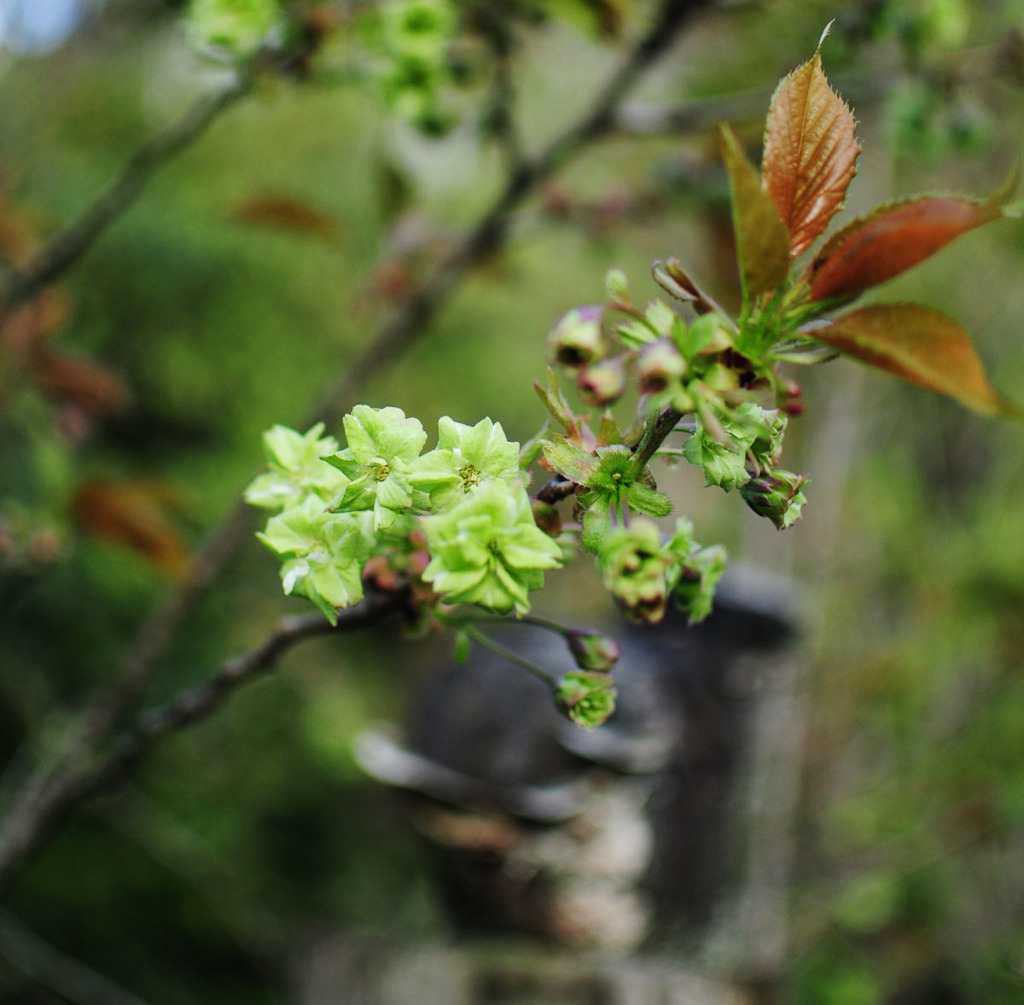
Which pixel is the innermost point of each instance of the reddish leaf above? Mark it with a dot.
(286, 213)
(810, 153)
(89, 385)
(762, 244)
(895, 237)
(27, 327)
(131, 516)
(919, 345)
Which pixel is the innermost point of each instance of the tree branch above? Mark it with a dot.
(58, 785)
(28, 825)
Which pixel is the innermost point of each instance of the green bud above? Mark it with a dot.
(777, 495)
(724, 463)
(591, 650)
(704, 336)
(770, 426)
(659, 365)
(577, 338)
(617, 286)
(488, 551)
(602, 383)
(660, 317)
(236, 29)
(634, 566)
(588, 699)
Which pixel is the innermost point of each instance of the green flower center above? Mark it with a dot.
(469, 476)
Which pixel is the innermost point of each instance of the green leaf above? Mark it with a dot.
(642, 499)
(570, 461)
(555, 402)
(762, 243)
(608, 431)
(921, 346)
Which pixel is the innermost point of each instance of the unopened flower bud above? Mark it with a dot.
(602, 383)
(777, 495)
(617, 285)
(588, 699)
(721, 378)
(591, 650)
(547, 517)
(577, 338)
(658, 365)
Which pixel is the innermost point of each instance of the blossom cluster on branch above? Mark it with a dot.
(456, 525)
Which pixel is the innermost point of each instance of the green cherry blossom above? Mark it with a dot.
(297, 469)
(382, 447)
(465, 458)
(487, 550)
(233, 29)
(324, 553)
(634, 565)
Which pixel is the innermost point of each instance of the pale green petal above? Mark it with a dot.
(339, 585)
(394, 493)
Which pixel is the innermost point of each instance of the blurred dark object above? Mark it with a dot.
(645, 829)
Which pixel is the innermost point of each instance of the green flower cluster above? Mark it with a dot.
(340, 508)
(742, 454)
(413, 39)
(707, 368)
(643, 570)
(232, 29)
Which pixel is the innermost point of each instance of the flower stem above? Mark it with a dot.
(655, 433)
(505, 653)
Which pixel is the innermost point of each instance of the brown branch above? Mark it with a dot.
(22, 831)
(58, 785)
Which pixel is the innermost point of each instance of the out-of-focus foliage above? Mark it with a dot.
(251, 272)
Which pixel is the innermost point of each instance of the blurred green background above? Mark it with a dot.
(219, 316)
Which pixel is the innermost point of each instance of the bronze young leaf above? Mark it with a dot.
(890, 240)
(921, 346)
(810, 153)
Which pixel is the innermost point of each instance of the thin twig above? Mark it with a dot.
(655, 433)
(505, 653)
(24, 830)
(55, 787)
